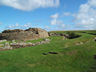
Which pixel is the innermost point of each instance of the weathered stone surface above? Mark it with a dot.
(69, 35)
(7, 46)
(55, 34)
(11, 31)
(47, 40)
(13, 41)
(95, 39)
(22, 44)
(79, 43)
(29, 34)
(3, 40)
(59, 34)
(14, 45)
(1, 45)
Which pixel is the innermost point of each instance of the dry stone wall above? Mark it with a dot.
(14, 45)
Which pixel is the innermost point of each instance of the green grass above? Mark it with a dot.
(34, 41)
(70, 57)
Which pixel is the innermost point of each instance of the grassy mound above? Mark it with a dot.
(70, 57)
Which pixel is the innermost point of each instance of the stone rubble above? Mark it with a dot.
(15, 45)
(22, 45)
(3, 40)
(7, 46)
(79, 43)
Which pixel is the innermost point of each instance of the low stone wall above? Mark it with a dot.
(3, 40)
(14, 45)
(22, 45)
(69, 35)
(57, 34)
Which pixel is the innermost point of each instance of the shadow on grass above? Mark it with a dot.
(93, 68)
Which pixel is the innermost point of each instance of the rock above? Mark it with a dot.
(42, 42)
(12, 31)
(47, 40)
(95, 39)
(7, 46)
(3, 40)
(22, 44)
(1, 46)
(79, 43)
(33, 44)
(55, 34)
(64, 38)
(13, 41)
(38, 43)
(30, 44)
(29, 34)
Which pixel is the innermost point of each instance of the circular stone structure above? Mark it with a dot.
(28, 34)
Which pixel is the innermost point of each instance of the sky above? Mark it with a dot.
(48, 14)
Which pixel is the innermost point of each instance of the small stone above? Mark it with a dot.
(3, 40)
(79, 43)
(33, 44)
(7, 46)
(47, 40)
(13, 41)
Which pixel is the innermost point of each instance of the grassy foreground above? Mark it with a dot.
(70, 57)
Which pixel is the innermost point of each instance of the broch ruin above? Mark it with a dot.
(29, 34)
(22, 35)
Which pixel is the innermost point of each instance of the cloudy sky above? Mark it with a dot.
(48, 14)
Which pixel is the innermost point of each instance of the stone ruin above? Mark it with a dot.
(22, 35)
(3, 40)
(23, 44)
(28, 34)
(14, 44)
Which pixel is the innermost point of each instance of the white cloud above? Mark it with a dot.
(56, 21)
(27, 25)
(28, 5)
(14, 26)
(17, 25)
(55, 16)
(86, 17)
(92, 2)
(67, 14)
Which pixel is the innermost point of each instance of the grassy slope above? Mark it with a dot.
(71, 58)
